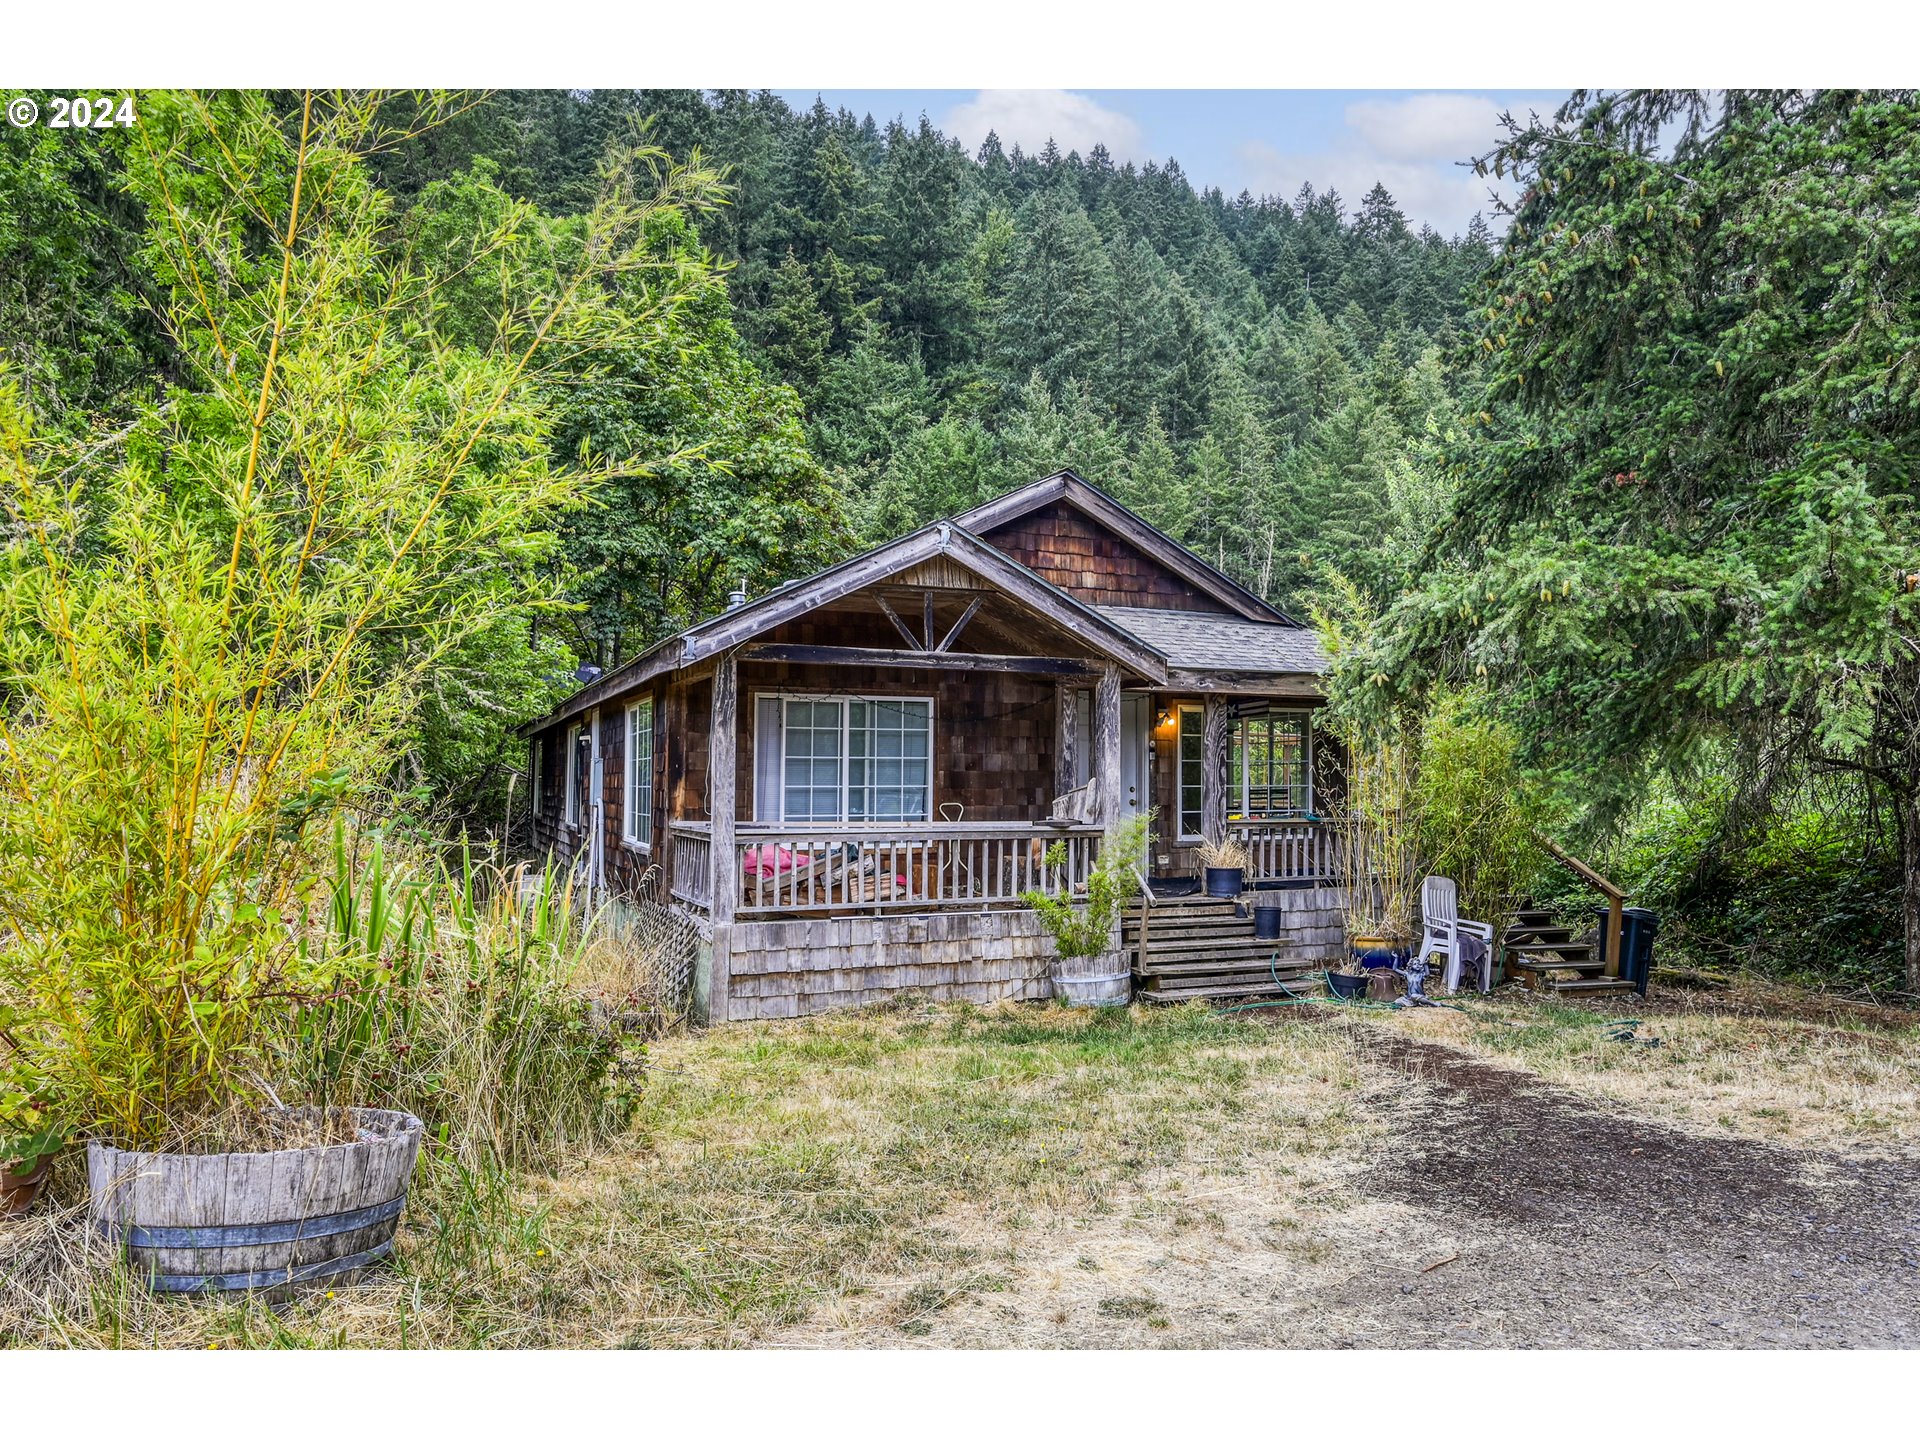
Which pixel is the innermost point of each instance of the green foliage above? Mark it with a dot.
(1478, 811)
(341, 492)
(1685, 513)
(468, 1010)
(1080, 930)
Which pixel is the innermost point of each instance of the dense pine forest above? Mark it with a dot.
(1651, 511)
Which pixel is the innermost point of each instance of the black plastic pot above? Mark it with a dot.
(1266, 922)
(1224, 884)
(1346, 987)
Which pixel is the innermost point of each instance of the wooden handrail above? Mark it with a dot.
(1616, 899)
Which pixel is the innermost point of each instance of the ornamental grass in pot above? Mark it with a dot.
(1224, 863)
(1090, 967)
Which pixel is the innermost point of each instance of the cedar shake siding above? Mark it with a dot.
(1071, 550)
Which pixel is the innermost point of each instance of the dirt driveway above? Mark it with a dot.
(1491, 1209)
(1576, 1226)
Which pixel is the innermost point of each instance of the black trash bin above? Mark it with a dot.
(1638, 926)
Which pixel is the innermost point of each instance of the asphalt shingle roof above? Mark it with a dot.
(1196, 640)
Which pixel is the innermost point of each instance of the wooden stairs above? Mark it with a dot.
(1545, 956)
(1200, 948)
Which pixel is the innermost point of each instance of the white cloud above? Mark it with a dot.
(1426, 127)
(1412, 145)
(1029, 118)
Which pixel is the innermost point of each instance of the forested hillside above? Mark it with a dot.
(1256, 374)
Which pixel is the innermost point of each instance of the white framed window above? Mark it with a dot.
(637, 806)
(1192, 769)
(857, 759)
(570, 801)
(1269, 770)
(1269, 776)
(539, 754)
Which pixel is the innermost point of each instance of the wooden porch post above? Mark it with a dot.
(1066, 707)
(1106, 742)
(1213, 769)
(721, 759)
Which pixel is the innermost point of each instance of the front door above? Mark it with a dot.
(1133, 755)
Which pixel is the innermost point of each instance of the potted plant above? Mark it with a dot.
(1225, 863)
(29, 1139)
(1090, 968)
(1377, 856)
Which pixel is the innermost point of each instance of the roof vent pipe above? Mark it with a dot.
(736, 597)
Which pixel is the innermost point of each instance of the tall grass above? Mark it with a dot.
(477, 1017)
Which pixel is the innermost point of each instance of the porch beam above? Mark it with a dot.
(919, 659)
(1106, 742)
(721, 813)
(1272, 684)
(1213, 768)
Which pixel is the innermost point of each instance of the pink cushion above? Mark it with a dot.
(772, 859)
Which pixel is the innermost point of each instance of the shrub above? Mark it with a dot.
(1478, 812)
(1088, 929)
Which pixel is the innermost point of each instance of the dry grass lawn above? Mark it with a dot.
(1014, 1176)
(1764, 1061)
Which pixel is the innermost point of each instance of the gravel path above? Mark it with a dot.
(1579, 1227)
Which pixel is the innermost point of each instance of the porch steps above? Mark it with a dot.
(1546, 957)
(1200, 948)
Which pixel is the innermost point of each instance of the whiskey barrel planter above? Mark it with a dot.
(248, 1221)
(1097, 981)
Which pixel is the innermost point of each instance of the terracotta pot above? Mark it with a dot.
(18, 1192)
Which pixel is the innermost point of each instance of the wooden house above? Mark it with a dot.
(847, 782)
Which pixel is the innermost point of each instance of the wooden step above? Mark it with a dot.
(1597, 985)
(1201, 970)
(1517, 934)
(1224, 928)
(1229, 992)
(1548, 957)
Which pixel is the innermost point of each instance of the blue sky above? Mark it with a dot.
(1266, 141)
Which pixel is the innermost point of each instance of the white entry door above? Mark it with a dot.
(1134, 736)
(1134, 795)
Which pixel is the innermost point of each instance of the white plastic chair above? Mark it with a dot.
(1440, 916)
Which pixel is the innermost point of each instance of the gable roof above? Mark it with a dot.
(1068, 487)
(944, 538)
(1195, 640)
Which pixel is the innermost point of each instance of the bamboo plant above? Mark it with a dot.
(331, 498)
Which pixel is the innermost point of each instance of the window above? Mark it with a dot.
(1268, 776)
(1193, 767)
(638, 807)
(571, 800)
(1267, 767)
(857, 759)
(539, 754)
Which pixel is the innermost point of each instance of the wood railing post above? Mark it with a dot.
(1615, 922)
(721, 805)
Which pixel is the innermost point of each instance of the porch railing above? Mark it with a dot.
(814, 870)
(1286, 849)
(692, 862)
